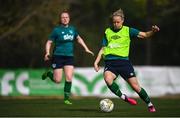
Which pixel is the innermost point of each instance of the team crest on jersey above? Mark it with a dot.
(70, 31)
(131, 74)
(54, 65)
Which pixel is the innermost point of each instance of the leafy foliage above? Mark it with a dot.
(26, 24)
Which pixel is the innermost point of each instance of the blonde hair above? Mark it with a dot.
(118, 12)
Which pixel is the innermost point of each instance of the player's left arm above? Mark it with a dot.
(147, 34)
(82, 43)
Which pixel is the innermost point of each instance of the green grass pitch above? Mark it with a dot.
(85, 107)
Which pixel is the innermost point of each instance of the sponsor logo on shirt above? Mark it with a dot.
(114, 45)
(68, 37)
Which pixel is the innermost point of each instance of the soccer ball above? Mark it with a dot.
(106, 105)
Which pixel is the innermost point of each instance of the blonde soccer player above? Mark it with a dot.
(115, 50)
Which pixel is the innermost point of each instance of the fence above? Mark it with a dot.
(157, 81)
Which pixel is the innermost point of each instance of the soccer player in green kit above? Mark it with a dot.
(63, 36)
(115, 50)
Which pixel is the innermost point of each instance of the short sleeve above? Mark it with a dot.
(75, 33)
(133, 32)
(53, 35)
(104, 41)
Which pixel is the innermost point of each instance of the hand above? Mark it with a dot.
(90, 52)
(96, 67)
(155, 28)
(47, 57)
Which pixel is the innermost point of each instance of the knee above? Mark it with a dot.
(69, 78)
(57, 80)
(108, 81)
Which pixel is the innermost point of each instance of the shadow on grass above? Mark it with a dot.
(81, 109)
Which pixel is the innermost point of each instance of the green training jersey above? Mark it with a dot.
(63, 38)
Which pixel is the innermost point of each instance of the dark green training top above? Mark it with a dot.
(63, 38)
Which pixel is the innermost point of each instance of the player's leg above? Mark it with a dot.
(57, 65)
(141, 92)
(57, 75)
(109, 78)
(68, 70)
(110, 75)
(47, 73)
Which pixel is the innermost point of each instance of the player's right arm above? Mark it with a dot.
(52, 37)
(47, 49)
(98, 58)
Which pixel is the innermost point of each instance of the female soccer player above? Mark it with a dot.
(115, 50)
(63, 36)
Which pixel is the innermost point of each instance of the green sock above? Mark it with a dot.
(115, 89)
(67, 90)
(144, 96)
(50, 75)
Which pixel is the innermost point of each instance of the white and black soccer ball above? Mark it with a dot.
(106, 105)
